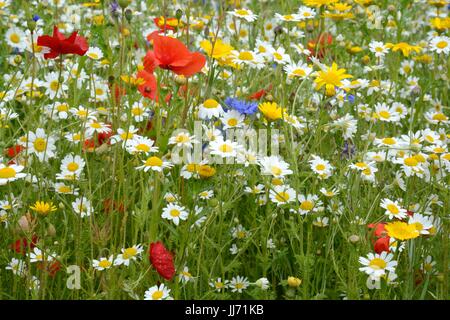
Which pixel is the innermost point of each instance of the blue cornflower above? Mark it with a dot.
(36, 18)
(242, 106)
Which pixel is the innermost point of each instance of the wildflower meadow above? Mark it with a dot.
(224, 150)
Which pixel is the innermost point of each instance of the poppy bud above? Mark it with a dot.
(179, 14)
(269, 97)
(162, 260)
(24, 224)
(128, 15)
(180, 80)
(31, 24)
(123, 3)
(353, 238)
(278, 30)
(51, 231)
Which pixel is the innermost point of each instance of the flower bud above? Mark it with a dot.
(353, 238)
(294, 282)
(180, 80)
(123, 3)
(179, 14)
(128, 15)
(51, 231)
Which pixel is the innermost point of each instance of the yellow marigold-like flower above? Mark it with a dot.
(271, 110)
(206, 171)
(440, 23)
(341, 7)
(43, 208)
(331, 78)
(437, 3)
(405, 48)
(427, 59)
(401, 230)
(363, 2)
(217, 49)
(132, 80)
(319, 3)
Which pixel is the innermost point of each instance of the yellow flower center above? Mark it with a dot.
(232, 122)
(99, 91)
(62, 107)
(278, 56)
(299, 72)
(377, 264)
(143, 147)
(104, 264)
(442, 44)
(245, 56)
(40, 144)
(175, 213)
(72, 166)
(418, 226)
(384, 114)
(389, 141)
(242, 12)
(307, 205)
(182, 138)
(392, 208)
(96, 125)
(411, 162)
(282, 196)
(210, 104)
(65, 189)
(14, 38)
(54, 85)
(226, 148)
(440, 117)
(127, 135)
(129, 253)
(320, 167)
(157, 295)
(137, 111)
(153, 162)
(7, 173)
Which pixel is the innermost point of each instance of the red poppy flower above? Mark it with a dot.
(14, 151)
(379, 229)
(59, 44)
(318, 46)
(53, 268)
(260, 94)
(162, 260)
(21, 245)
(382, 244)
(103, 137)
(172, 54)
(110, 205)
(147, 89)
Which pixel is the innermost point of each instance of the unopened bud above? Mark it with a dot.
(128, 15)
(180, 80)
(179, 14)
(353, 238)
(294, 282)
(31, 24)
(51, 231)
(124, 3)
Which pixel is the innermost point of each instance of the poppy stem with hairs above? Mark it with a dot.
(155, 215)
